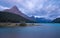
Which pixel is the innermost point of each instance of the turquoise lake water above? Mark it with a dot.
(42, 31)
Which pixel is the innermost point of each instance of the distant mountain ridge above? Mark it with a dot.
(43, 20)
(57, 20)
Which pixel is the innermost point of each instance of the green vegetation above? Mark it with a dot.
(23, 24)
(13, 18)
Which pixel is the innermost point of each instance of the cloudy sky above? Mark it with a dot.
(38, 8)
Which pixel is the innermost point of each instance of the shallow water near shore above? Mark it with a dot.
(44, 30)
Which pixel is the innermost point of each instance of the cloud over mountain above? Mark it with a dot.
(42, 8)
(2, 8)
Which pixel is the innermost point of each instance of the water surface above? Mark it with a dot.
(43, 31)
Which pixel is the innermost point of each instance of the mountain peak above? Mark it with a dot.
(14, 7)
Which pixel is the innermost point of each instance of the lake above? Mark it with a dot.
(45, 30)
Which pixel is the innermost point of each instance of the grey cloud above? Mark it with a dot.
(44, 8)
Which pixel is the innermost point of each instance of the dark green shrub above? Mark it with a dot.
(23, 24)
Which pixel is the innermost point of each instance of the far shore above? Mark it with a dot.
(18, 24)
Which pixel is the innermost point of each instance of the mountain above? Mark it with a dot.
(57, 20)
(43, 20)
(15, 10)
(14, 15)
